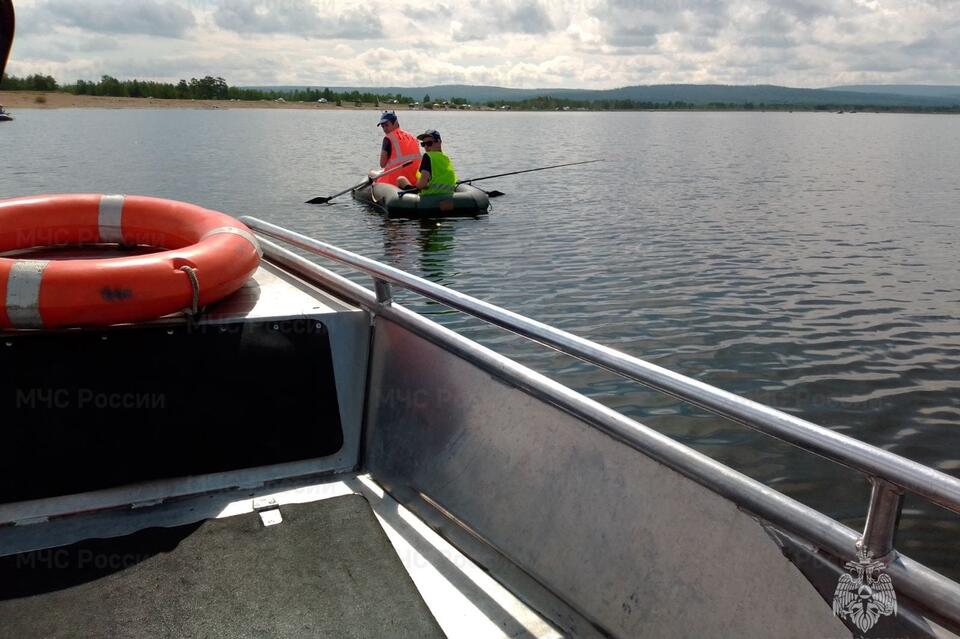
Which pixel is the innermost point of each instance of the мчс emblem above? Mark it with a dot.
(865, 593)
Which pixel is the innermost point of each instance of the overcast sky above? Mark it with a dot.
(514, 43)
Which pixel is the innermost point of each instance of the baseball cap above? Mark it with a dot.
(387, 116)
(429, 133)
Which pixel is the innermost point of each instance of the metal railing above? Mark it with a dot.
(890, 475)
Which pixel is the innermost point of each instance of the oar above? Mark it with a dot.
(493, 193)
(369, 180)
(6, 32)
(542, 168)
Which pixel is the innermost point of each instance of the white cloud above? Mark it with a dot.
(137, 17)
(525, 16)
(518, 43)
(297, 17)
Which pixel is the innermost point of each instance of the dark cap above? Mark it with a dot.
(388, 116)
(429, 133)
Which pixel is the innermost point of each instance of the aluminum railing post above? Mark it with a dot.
(883, 517)
(382, 288)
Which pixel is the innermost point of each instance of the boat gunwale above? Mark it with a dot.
(914, 477)
(920, 583)
(917, 581)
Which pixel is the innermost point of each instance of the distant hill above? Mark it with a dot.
(698, 94)
(704, 94)
(917, 90)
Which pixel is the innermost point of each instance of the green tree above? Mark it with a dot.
(111, 86)
(35, 82)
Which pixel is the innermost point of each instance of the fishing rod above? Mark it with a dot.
(542, 168)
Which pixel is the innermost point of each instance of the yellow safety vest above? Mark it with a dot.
(443, 179)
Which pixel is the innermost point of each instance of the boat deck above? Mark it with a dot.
(344, 560)
(232, 577)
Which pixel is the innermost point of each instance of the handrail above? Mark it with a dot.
(906, 474)
(836, 540)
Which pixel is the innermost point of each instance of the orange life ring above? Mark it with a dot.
(205, 247)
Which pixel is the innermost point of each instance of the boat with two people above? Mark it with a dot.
(394, 201)
(465, 200)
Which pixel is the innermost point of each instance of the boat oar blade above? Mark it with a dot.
(369, 180)
(324, 200)
(485, 192)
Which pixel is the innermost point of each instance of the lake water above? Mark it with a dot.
(809, 261)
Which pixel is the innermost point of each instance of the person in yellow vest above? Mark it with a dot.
(436, 175)
(398, 147)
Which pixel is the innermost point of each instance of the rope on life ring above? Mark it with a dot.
(195, 285)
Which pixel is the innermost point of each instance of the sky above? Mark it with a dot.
(589, 44)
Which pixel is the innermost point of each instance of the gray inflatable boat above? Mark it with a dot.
(466, 200)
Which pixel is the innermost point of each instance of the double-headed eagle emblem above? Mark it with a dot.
(865, 593)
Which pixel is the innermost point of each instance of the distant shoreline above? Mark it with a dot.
(14, 100)
(60, 100)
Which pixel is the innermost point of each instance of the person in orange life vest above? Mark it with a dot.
(398, 147)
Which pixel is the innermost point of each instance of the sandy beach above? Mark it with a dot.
(13, 100)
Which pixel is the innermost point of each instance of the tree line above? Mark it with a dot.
(206, 88)
(216, 88)
(35, 82)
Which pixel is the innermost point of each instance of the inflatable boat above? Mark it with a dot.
(466, 200)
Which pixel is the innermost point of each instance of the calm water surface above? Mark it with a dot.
(809, 261)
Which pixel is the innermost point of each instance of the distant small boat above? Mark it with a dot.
(466, 200)
(5, 117)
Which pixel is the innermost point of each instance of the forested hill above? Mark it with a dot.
(696, 94)
(925, 90)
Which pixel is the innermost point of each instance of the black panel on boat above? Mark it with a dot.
(83, 410)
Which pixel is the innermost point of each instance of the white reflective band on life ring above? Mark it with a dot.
(110, 220)
(247, 235)
(23, 293)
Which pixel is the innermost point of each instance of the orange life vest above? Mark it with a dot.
(403, 148)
